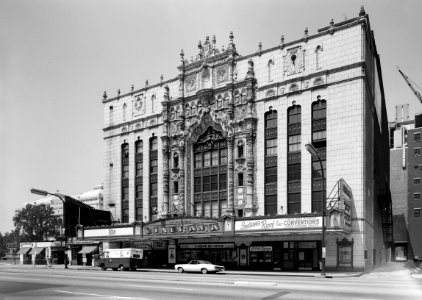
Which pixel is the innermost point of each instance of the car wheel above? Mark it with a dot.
(103, 267)
(204, 271)
(180, 270)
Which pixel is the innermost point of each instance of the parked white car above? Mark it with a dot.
(202, 266)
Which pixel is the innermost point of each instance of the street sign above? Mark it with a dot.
(12, 245)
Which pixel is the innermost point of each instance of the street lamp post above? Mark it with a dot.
(45, 193)
(315, 154)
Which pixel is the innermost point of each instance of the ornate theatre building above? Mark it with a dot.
(212, 163)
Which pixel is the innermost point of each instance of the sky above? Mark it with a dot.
(58, 57)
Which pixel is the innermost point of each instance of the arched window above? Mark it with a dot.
(270, 70)
(152, 103)
(294, 114)
(139, 169)
(318, 57)
(210, 174)
(124, 112)
(319, 140)
(125, 183)
(111, 115)
(240, 150)
(175, 160)
(270, 207)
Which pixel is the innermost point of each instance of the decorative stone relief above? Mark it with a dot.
(222, 74)
(237, 98)
(191, 83)
(138, 104)
(282, 89)
(318, 81)
(270, 93)
(293, 61)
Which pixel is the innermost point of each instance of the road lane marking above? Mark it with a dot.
(17, 278)
(97, 295)
(161, 287)
(254, 283)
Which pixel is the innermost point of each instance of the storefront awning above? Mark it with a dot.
(23, 250)
(37, 250)
(88, 249)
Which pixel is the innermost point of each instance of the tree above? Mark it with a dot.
(12, 237)
(36, 223)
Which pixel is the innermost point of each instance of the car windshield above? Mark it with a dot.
(204, 262)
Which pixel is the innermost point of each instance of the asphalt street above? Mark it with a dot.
(18, 282)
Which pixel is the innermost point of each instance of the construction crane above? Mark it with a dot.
(412, 85)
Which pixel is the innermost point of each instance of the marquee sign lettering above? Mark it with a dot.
(182, 229)
(279, 224)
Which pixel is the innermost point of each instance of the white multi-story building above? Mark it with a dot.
(212, 163)
(93, 198)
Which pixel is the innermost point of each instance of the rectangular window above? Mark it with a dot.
(270, 174)
(294, 143)
(240, 151)
(207, 157)
(214, 209)
(223, 208)
(416, 196)
(223, 181)
(207, 209)
(139, 191)
(175, 187)
(271, 147)
(316, 169)
(417, 136)
(198, 209)
(240, 179)
(293, 172)
(125, 193)
(319, 135)
(139, 213)
(417, 212)
(197, 182)
(198, 160)
(206, 183)
(417, 180)
(154, 166)
(271, 205)
(139, 167)
(125, 215)
(154, 189)
(293, 203)
(417, 151)
(214, 158)
(125, 171)
(223, 156)
(214, 182)
(154, 144)
(139, 147)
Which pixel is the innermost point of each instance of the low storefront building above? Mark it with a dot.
(39, 252)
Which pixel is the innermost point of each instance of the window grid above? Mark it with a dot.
(270, 204)
(153, 187)
(124, 183)
(319, 115)
(210, 175)
(139, 168)
(294, 115)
